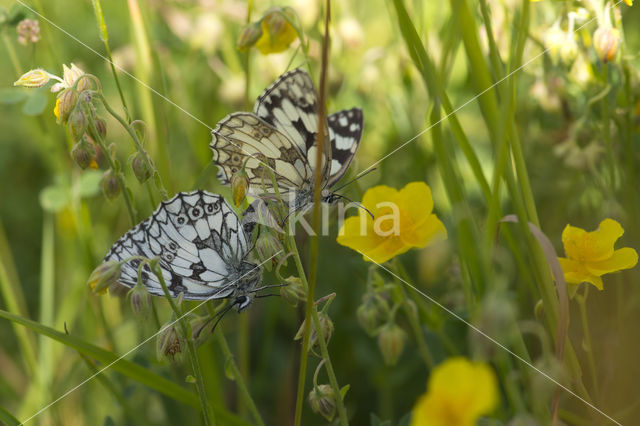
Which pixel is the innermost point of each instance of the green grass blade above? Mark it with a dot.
(7, 419)
(127, 368)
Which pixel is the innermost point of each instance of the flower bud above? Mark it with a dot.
(65, 103)
(168, 343)
(110, 184)
(77, 124)
(33, 79)
(101, 127)
(293, 292)
(326, 327)
(372, 313)
(140, 166)
(266, 247)
(391, 342)
(140, 300)
(28, 31)
(249, 36)
(239, 186)
(606, 42)
(71, 75)
(105, 275)
(82, 154)
(277, 32)
(322, 400)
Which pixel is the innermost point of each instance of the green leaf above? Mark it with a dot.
(405, 420)
(344, 390)
(375, 421)
(36, 104)
(54, 198)
(12, 95)
(88, 184)
(7, 419)
(112, 360)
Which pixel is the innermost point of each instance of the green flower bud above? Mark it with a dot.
(322, 400)
(66, 103)
(77, 124)
(168, 344)
(249, 36)
(110, 184)
(239, 186)
(105, 275)
(140, 166)
(82, 153)
(293, 292)
(140, 300)
(372, 313)
(101, 127)
(391, 342)
(326, 328)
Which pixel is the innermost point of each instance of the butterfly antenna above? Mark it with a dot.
(354, 179)
(360, 206)
(220, 315)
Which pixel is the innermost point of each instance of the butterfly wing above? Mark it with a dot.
(199, 241)
(290, 105)
(244, 136)
(345, 131)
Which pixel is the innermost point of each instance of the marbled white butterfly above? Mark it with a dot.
(280, 134)
(202, 247)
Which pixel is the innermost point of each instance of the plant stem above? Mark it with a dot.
(333, 381)
(104, 35)
(588, 348)
(413, 317)
(238, 378)
(112, 166)
(207, 409)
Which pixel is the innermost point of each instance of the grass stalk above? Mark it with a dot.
(185, 328)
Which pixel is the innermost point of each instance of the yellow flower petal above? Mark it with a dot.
(623, 258)
(458, 393)
(56, 109)
(429, 230)
(416, 196)
(577, 273)
(629, 2)
(377, 195)
(277, 32)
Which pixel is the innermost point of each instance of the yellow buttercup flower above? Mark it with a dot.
(629, 2)
(56, 109)
(277, 31)
(591, 254)
(458, 392)
(401, 220)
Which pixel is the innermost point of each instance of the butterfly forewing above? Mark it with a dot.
(200, 244)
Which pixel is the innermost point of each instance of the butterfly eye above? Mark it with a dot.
(195, 213)
(182, 219)
(173, 246)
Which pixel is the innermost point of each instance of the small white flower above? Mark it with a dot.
(70, 76)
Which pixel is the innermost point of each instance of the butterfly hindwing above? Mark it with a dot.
(199, 241)
(345, 131)
(244, 138)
